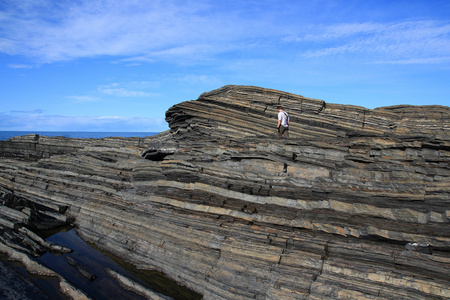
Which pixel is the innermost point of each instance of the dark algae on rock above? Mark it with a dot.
(353, 205)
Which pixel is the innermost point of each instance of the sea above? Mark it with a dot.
(4, 135)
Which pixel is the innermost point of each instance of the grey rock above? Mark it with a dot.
(223, 206)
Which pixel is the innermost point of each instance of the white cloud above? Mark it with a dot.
(83, 99)
(33, 111)
(405, 42)
(56, 31)
(199, 79)
(200, 31)
(129, 89)
(121, 92)
(432, 60)
(20, 66)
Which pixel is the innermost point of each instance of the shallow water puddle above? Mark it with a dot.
(86, 269)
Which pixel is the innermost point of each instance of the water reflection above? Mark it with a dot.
(102, 285)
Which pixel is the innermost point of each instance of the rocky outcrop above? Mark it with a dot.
(354, 204)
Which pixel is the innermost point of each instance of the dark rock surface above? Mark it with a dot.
(355, 204)
(14, 286)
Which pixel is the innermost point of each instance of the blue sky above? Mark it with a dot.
(88, 65)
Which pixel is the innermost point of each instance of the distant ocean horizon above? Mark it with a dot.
(5, 135)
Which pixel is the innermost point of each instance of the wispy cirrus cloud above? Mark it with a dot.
(20, 66)
(83, 99)
(52, 32)
(129, 89)
(134, 89)
(432, 60)
(33, 111)
(198, 79)
(198, 32)
(122, 92)
(412, 42)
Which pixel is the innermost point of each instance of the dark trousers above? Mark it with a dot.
(283, 131)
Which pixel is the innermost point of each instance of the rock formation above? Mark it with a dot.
(354, 204)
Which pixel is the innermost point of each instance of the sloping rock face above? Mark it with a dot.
(353, 205)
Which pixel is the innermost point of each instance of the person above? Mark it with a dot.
(283, 122)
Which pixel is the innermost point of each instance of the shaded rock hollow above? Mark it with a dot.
(355, 204)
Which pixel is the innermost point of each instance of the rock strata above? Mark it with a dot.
(355, 204)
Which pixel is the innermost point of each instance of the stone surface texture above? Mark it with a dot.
(355, 204)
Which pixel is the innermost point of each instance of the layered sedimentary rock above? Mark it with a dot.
(354, 204)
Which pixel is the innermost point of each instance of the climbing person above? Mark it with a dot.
(283, 122)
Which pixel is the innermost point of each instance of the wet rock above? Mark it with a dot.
(83, 270)
(31, 265)
(71, 291)
(135, 287)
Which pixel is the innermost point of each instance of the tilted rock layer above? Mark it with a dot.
(354, 204)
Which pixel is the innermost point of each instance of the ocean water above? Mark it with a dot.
(4, 135)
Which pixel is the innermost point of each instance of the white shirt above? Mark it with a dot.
(284, 118)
